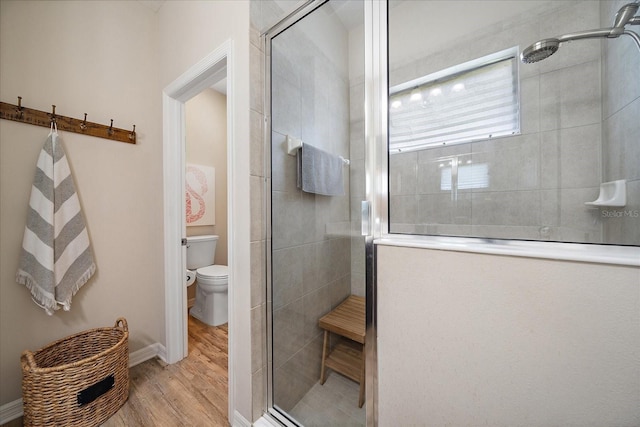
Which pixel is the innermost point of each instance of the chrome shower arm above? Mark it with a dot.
(605, 32)
(589, 34)
(544, 48)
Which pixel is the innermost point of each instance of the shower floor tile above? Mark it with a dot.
(333, 404)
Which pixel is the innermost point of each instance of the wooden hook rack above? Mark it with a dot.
(18, 113)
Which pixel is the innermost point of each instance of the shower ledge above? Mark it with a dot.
(594, 253)
(612, 194)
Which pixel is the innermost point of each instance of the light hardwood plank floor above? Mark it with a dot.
(192, 392)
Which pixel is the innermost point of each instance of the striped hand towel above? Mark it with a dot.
(56, 258)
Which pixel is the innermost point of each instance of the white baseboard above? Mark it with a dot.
(239, 420)
(161, 352)
(146, 353)
(12, 410)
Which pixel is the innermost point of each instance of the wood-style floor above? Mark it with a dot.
(192, 392)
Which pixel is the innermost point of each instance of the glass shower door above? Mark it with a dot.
(316, 74)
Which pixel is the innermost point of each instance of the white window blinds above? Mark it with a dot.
(456, 107)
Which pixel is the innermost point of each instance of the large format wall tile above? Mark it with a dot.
(621, 224)
(580, 162)
(506, 208)
(622, 147)
(287, 278)
(575, 17)
(570, 96)
(288, 321)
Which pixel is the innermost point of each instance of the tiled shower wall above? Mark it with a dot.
(621, 123)
(539, 180)
(263, 14)
(258, 228)
(310, 233)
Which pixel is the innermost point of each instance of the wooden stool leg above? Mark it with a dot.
(362, 380)
(324, 356)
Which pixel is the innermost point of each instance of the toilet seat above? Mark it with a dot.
(213, 274)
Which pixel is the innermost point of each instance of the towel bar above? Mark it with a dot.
(294, 144)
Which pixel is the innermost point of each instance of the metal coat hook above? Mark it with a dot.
(19, 109)
(24, 114)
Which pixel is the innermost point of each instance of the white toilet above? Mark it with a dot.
(212, 281)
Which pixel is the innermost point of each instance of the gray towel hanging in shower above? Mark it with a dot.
(319, 172)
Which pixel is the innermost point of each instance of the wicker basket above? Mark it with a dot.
(80, 380)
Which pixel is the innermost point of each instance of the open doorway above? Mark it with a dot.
(211, 70)
(206, 204)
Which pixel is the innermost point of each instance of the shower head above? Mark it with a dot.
(539, 50)
(545, 48)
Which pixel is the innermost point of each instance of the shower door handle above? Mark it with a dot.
(365, 217)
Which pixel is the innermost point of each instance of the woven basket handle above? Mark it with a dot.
(122, 323)
(28, 359)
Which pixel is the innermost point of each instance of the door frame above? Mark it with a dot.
(376, 183)
(211, 69)
(375, 21)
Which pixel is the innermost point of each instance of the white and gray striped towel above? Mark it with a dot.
(56, 258)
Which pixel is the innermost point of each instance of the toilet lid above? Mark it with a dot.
(217, 271)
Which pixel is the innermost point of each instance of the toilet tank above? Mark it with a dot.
(201, 251)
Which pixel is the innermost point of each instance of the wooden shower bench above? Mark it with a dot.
(347, 356)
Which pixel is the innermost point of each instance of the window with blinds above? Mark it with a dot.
(473, 101)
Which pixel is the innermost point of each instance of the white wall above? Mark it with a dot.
(469, 339)
(111, 60)
(206, 144)
(189, 31)
(97, 58)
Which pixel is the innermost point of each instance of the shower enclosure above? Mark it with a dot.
(315, 65)
(506, 147)
(452, 131)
